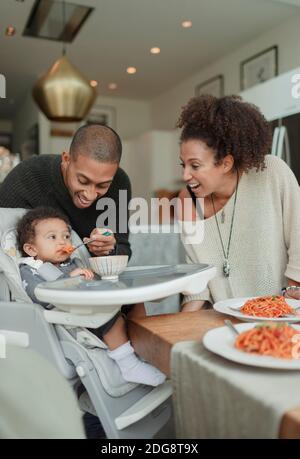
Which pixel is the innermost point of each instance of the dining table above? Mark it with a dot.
(154, 338)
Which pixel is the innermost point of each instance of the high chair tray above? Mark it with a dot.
(135, 284)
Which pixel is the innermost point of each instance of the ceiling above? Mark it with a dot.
(119, 33)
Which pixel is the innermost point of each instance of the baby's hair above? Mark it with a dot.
(26, 225)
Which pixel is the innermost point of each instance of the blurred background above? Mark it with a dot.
(144, 59)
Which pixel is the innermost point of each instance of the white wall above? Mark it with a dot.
(133, 117)
(25, 118)
(152, 163)
(166, 108)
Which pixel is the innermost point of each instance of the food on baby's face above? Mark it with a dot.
(68, 249)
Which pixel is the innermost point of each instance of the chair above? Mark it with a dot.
(125, 410)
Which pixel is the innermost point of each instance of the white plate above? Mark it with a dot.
(232, 306)
(221, 340)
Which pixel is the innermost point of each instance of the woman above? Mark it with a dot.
(251, 201)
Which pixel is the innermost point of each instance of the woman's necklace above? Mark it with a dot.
(226, 265)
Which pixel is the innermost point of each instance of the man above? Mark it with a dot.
(73, 183)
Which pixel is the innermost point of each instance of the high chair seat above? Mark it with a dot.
(125, 410)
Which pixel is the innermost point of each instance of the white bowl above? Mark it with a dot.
(109, 267)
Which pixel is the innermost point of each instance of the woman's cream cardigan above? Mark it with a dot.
(265, 243)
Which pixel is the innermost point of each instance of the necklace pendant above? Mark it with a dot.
(223, 216)
(226, 268)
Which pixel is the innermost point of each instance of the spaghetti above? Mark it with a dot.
(275, 340)
(270, 307)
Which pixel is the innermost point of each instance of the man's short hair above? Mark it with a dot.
(99, 142)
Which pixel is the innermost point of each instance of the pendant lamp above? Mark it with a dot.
(63, 93)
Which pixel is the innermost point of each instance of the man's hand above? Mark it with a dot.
(101, 245)
(86, 273)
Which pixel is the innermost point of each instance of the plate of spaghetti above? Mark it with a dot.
(273, 308)
(266, 344)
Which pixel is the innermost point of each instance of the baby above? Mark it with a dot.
(43, 234)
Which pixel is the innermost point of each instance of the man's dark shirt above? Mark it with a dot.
(38, 181)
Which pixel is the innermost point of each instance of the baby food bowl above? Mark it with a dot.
(109, 267)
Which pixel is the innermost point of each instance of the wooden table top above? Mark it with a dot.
(153, 338)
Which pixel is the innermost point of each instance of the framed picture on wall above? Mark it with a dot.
(214, 86)
(259, 68)
(102, 114)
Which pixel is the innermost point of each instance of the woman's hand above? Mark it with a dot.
(292, 290)
(101, 245)
(86, 273)
(192, 306)
(293, 293)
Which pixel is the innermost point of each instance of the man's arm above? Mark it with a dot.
(13, 189)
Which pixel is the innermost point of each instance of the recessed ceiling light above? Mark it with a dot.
(155, 50)
(131, 70)
(112, 86)
(94, 83)
(186, 24)
(10, 31)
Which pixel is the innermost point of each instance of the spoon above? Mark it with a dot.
(71, 249)
(82, 243)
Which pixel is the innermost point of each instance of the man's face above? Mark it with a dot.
(86, 179)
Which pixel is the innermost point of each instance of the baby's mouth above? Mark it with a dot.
(66, 250)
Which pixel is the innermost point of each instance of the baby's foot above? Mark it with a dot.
(143, 373)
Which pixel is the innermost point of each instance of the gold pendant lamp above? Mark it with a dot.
(63, 93)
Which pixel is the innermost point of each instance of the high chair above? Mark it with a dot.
(126, 410)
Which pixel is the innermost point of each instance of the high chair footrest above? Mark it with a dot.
(144, 406)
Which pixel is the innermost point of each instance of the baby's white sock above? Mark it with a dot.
(133, 369)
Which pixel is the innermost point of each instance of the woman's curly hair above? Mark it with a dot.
(228, 125)
(26, 225)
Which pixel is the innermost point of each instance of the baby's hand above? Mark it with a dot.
(86, 273)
